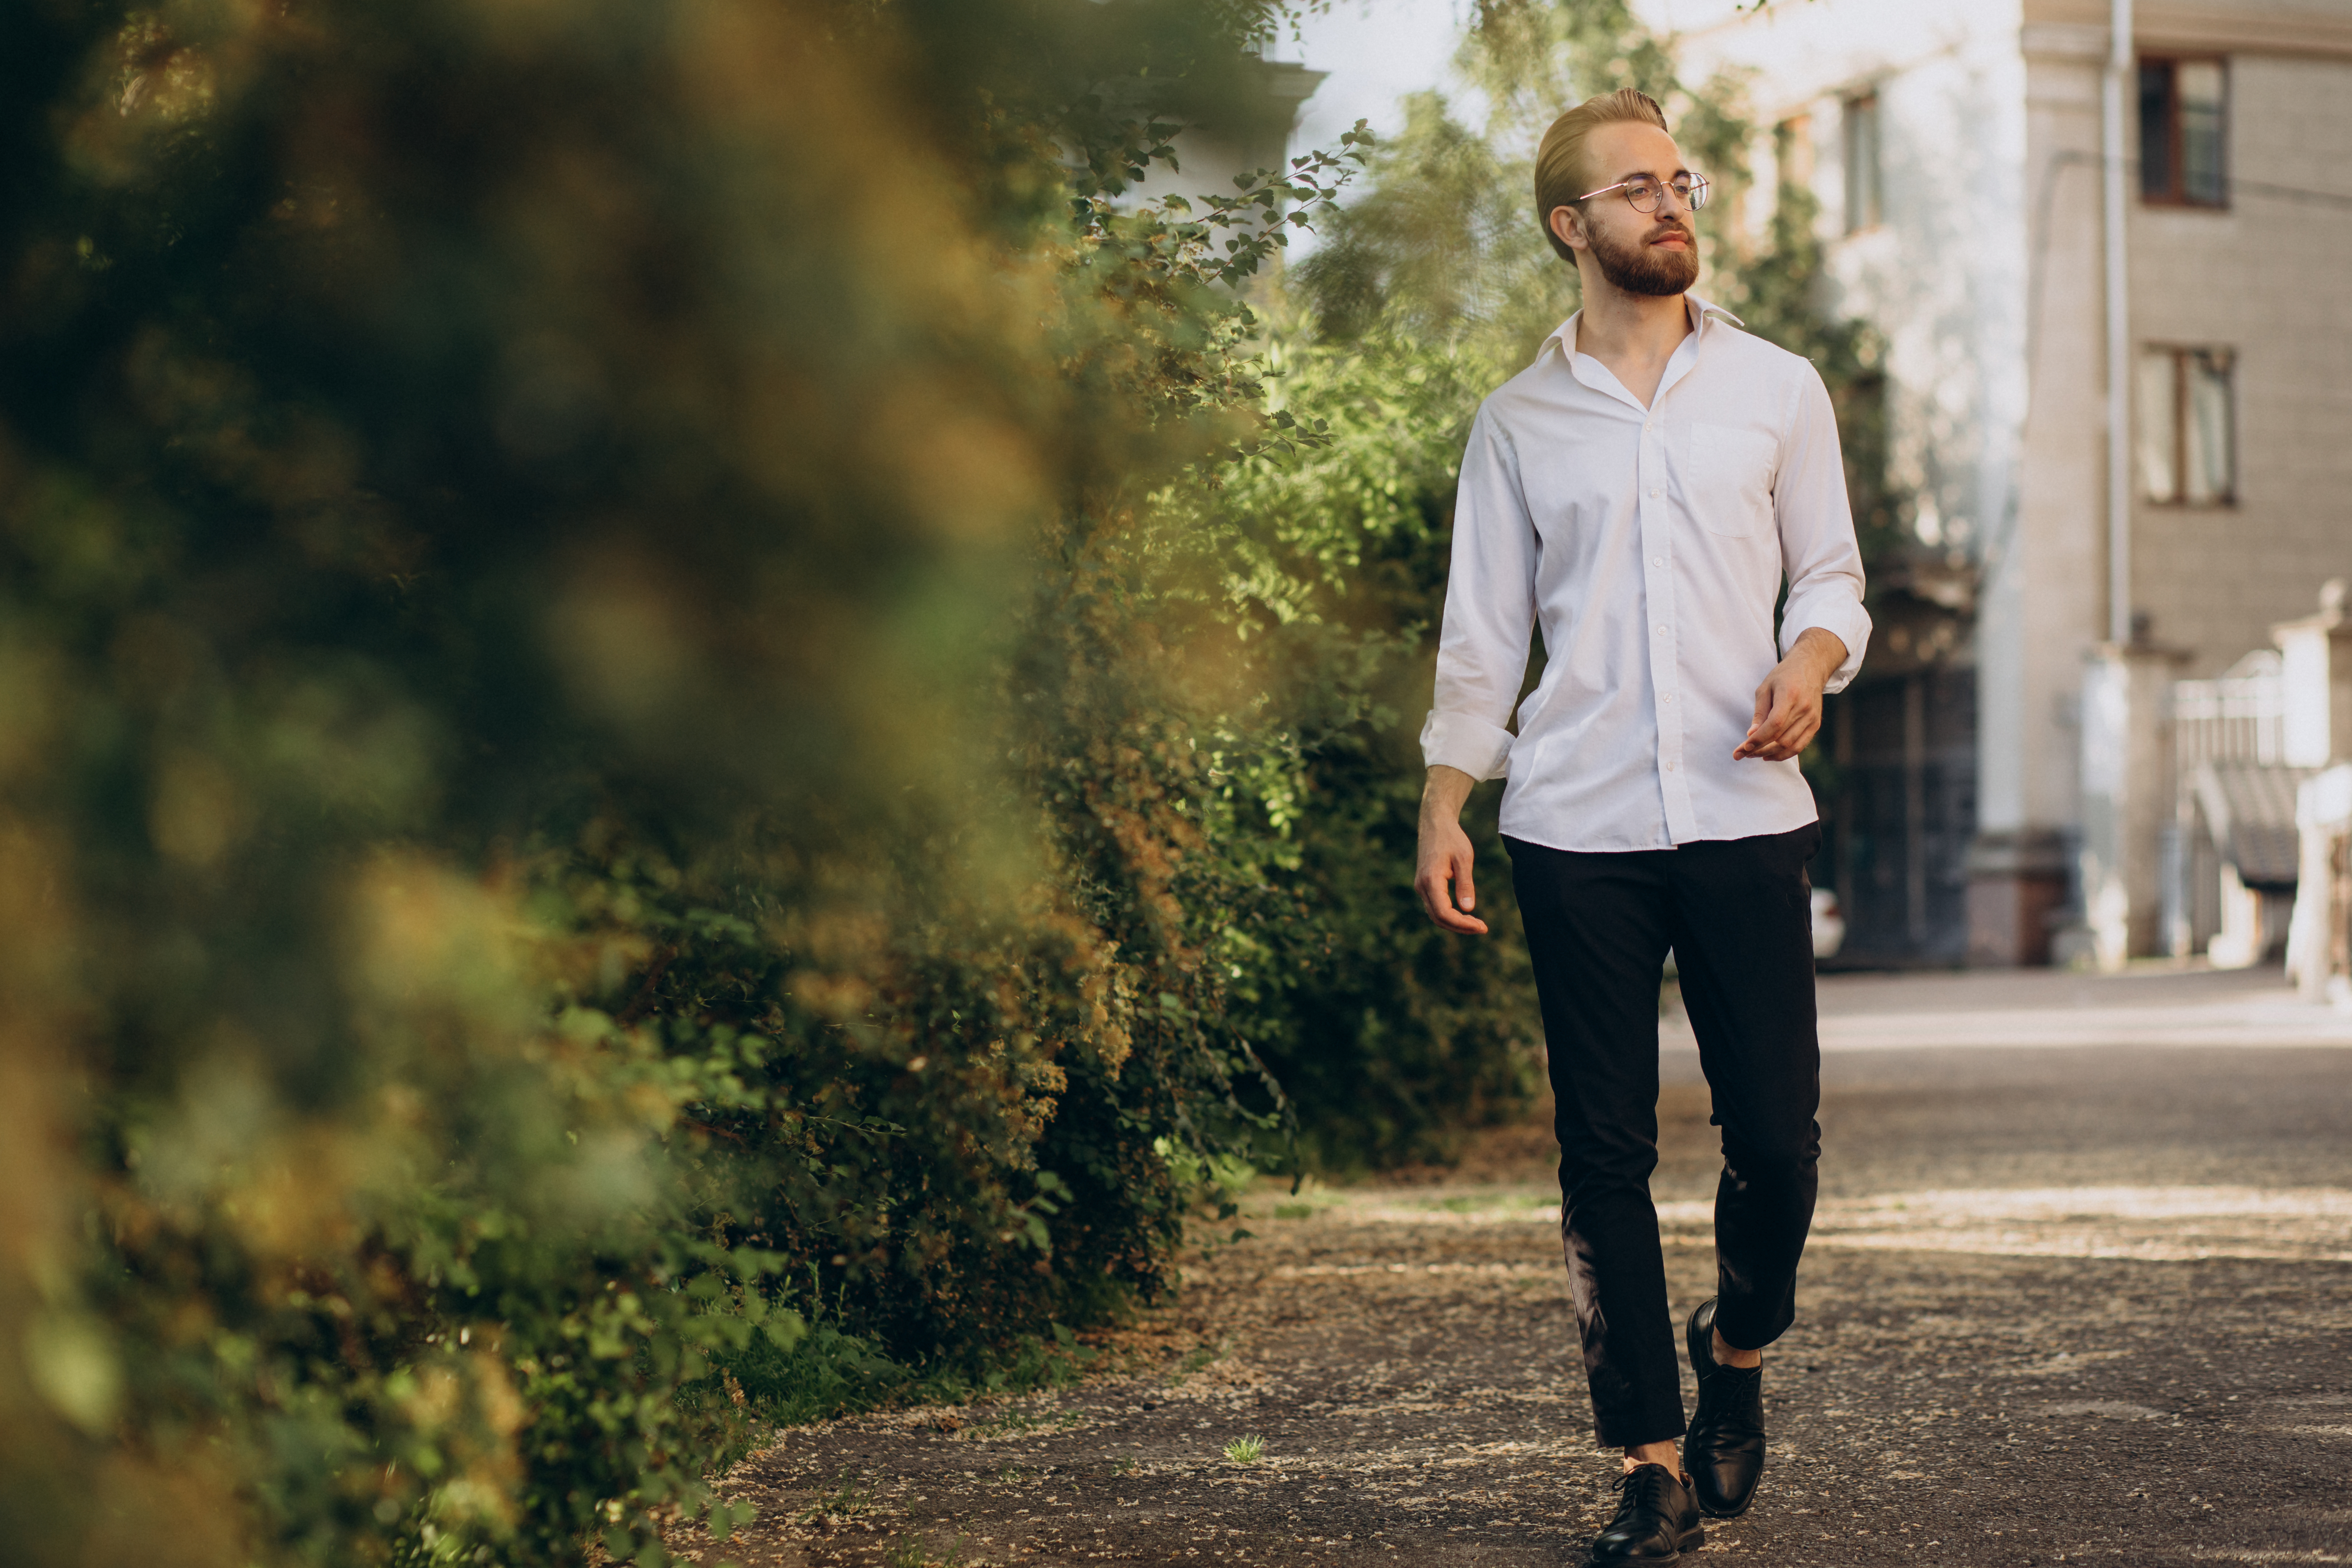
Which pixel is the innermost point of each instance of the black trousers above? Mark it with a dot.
(1736, 912)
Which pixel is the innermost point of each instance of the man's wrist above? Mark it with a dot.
(1827, 652)
(1443, 793)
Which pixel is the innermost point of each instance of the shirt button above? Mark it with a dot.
(1669, 697)
(1653, 494)
(1670, 767)
(1657, 561)
(1662, 631)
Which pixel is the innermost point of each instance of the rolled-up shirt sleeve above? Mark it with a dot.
(1490, 608)
(1816, 542)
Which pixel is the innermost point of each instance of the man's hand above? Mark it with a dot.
(1444, 878)
(1788, 705)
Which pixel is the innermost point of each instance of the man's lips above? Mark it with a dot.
(1672, 237)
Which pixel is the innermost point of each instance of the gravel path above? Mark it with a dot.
(2065, 1302)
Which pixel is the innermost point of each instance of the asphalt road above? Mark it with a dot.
(2078, 1292)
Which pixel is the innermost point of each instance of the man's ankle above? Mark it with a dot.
(1666, 1454)
(1729, 1354)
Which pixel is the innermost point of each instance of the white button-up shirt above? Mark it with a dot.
(1649, 544)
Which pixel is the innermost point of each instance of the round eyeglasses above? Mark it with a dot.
(1644, 193)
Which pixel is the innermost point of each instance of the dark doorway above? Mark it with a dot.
(1897, 796)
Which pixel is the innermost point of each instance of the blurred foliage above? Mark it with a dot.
(1393, 1040)
(606, 825)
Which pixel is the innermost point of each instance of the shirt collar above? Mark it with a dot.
(1597, 376)
(1700, 309)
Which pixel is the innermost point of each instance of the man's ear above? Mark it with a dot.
(1569, 224)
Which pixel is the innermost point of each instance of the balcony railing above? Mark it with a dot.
(2236, 716)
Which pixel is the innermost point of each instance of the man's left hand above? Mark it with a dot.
(1788, 703)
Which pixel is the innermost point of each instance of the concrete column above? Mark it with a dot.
(2043, 604)
(2319, 933)
(2017, 892)
(2316, 659)
(2128, 797)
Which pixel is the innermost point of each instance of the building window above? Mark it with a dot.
(1864, 207)
(2183, 111)
(2188, 426)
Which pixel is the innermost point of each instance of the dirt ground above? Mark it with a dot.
(2064, 1302)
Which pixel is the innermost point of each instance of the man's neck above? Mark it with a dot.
(1633, 334)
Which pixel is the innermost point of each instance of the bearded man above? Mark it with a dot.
(1638, 493)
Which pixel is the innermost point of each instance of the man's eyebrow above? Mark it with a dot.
(1645, 175)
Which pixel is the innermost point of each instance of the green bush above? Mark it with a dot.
(600, 800)
(1392, 1039)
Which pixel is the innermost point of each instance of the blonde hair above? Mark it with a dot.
(1560, 173)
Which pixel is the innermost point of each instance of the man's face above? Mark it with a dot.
(1641, 253)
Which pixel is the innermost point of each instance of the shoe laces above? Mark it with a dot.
(1649, 1481)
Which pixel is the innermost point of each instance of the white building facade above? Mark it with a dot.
(1962, 151)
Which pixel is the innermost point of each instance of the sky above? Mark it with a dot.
(1376, 51)
(1379, 50)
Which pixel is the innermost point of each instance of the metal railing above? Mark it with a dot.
(2236, 716)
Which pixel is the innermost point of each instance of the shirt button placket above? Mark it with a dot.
(1663, 667)
(1655, 533)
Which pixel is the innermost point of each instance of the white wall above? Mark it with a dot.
(2266, 277)
(1943, 275)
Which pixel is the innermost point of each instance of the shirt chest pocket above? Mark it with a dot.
(1726, 473)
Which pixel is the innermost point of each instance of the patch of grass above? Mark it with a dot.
(817, 1374)
(1195, 1359)
(914, 1552)
(1220, 1180)
(825, 1370)
(1294, 1211)
(1246, 1451)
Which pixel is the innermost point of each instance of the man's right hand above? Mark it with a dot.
(1443, 879)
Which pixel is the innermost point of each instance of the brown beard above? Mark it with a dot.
(1643, 269)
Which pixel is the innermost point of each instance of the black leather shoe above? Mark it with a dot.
(1656, 1522)
(1724, 1451)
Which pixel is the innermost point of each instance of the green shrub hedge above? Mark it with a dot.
(606, 821)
